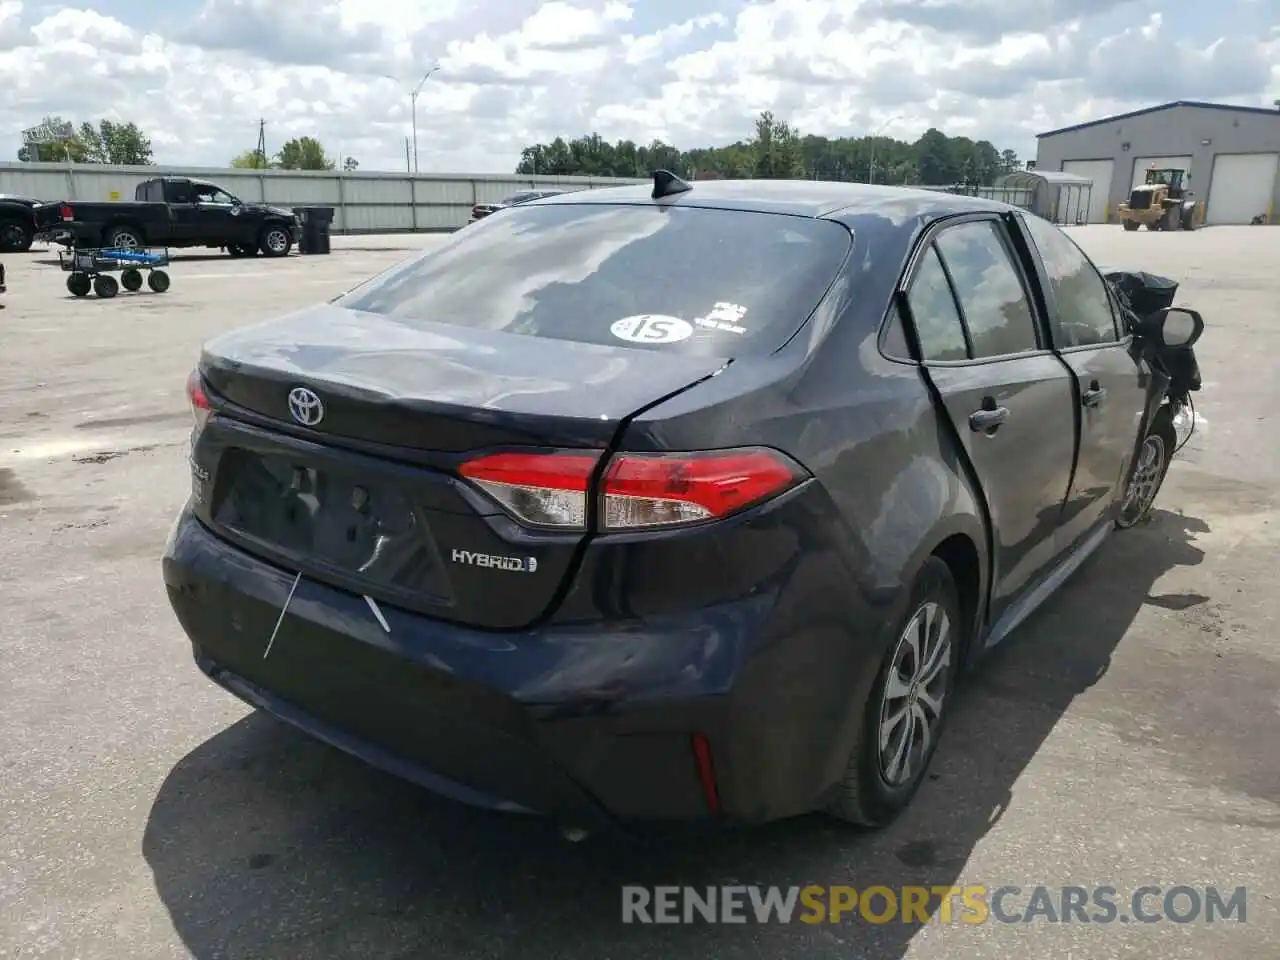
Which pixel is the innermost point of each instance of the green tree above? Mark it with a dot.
(250, 160)
(776, 149)
(303, 153)
(350, 164)
(117, 143)
(1009, 162)
(935, 159)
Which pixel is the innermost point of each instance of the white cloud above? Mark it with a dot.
(514, 72)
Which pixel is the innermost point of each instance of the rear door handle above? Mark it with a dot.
(988, 421)
(1094, 396)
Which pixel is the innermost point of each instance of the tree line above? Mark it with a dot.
(125, 144)
(778, 151)
(775, 151)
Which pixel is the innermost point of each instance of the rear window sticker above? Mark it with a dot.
(724, 316)
(651, 328)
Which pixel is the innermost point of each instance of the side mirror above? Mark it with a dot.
(1177, 326)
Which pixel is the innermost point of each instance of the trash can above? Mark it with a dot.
(316, 222)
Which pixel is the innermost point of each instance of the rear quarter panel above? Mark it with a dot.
(889, 487)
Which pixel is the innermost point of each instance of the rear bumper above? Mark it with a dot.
(586, 725)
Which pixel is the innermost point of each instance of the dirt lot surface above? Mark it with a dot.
(1126, 736)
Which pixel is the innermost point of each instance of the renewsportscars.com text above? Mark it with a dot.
(939, 905)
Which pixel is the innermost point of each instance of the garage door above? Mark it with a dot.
(1242, 186)
(1099, 171)
(1142, 164)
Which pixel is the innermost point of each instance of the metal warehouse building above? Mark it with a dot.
(1231, 155)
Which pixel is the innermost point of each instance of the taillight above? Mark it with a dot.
(198, 398)
(540, 489)
(650, 490)
(638, 490)
(65, 212)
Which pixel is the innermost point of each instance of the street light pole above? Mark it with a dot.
(871, 171)
(413, 112)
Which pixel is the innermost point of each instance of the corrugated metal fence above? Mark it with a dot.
(364, 202)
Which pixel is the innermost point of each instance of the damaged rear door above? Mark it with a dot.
(1009, 399)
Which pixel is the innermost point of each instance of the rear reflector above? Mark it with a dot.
(639, 490)
(66, 213)
(198, 399)
(706, 772)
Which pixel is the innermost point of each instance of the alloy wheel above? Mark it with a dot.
(125, 240)
(911, 709)
(1145, 482)
(277, 241)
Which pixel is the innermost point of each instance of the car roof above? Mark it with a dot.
(803, 198)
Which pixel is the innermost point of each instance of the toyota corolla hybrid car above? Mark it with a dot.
(682, 503)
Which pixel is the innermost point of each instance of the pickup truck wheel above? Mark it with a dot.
(15, 237)
(904, 713)
(275, 241)
(126, 238)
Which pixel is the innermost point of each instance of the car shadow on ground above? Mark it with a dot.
(265, 844)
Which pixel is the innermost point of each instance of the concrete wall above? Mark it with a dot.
(1198, 132)
(364, 202)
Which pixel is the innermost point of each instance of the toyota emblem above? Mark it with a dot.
(305, 406)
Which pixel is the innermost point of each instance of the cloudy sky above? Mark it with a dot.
(197, 74)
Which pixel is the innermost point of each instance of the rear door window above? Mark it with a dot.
(992, 298)
(684, 279)
(933, 308)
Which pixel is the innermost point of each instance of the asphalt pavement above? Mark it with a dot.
(1124, 737)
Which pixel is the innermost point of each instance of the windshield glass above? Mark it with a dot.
(686, 279)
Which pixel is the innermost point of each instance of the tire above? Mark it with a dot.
(275, 241)
(15, 236)
(1149, 471)
(873, 792)
(79, 284)
(158, 281)
(130, 238)
(105, 286)
(131, 280)
(1131, 225)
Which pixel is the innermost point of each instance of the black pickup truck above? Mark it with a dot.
(17, 223)
(174, 212)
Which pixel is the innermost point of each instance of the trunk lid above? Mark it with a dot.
(438, 387)
(368, 497)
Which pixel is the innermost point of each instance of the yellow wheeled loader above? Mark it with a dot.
(1162, 203)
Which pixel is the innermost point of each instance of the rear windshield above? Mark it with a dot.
(682, 279)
